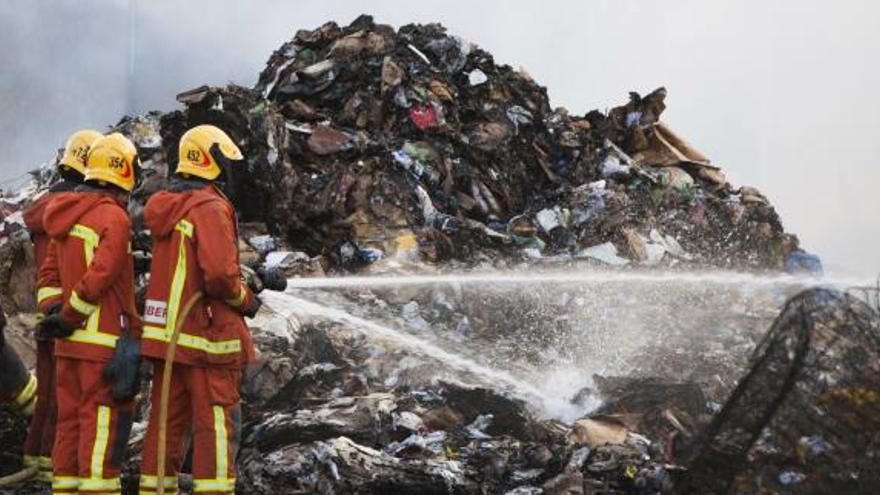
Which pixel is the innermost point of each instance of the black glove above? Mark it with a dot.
(272, 279)
(263, 278)
(55, 327)
(251, 309)
(251, 279)
(53, 310)
(123, 370)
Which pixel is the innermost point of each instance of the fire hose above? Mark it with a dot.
(273, 282)
(19, 476)
(267, 279)
(166, 390)
(257, 282)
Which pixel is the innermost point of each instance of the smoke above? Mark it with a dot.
(775, 92)
(49, 86)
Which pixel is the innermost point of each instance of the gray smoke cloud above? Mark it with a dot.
(777, 93)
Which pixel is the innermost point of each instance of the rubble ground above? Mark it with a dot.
(333, 408)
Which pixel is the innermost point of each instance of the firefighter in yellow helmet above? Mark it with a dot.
(71, 171)
(195, 250)
(205, 151)
(41, 433)
(72, 165)
(97, 329)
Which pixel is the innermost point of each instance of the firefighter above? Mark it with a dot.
(195, 250)
(18, 387)
(89, 258)
(41, 433)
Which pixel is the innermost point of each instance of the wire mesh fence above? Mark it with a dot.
(805, 418)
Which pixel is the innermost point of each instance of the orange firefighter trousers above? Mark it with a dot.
(92, 430)
(205, 402)
(41, 432)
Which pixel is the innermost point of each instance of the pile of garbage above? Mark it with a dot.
(364, 143)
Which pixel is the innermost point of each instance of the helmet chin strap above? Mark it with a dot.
(106, 187)
(70, 174)
(224, 182)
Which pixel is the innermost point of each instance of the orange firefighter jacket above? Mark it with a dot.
(33, 219)
(89, 261)
(195, 250)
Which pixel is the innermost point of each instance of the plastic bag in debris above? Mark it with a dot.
(431, 443)
(677, 179)
(477, 77)
(263, 243)
(476, 430)
(802, 262)
(669, 245)
(611, 166)
(284, 259)
(606, 253)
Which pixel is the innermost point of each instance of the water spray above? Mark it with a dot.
(547, 396)
(577, 277)
(293, 305)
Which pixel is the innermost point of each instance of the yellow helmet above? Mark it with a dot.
(112, 159)
(197, 153)
(77, 148)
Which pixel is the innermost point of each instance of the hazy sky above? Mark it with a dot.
(780, 94)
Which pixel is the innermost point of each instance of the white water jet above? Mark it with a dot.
(621, 313)
(575, 277)
(287, 306)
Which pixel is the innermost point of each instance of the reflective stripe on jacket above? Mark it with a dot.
(89, 259)
(33, 220)
(195, 250)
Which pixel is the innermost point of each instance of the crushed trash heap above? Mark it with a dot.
(363, 142)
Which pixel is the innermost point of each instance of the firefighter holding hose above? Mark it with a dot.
(196, 303)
